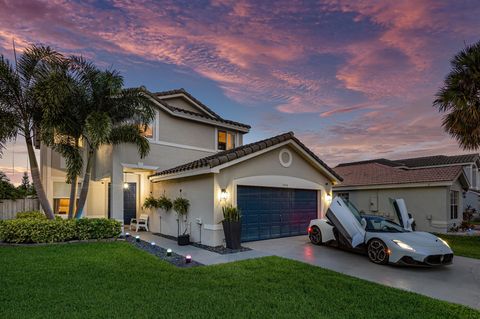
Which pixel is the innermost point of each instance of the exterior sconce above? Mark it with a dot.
(328, 198)
(125, 185)
(223, 195)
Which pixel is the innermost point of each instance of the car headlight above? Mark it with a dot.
(403, 245)
(444, 241)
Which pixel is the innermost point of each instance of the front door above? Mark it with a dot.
(129, 203)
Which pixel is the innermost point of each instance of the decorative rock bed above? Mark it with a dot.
(217, 249)
(220, 249)
(160, 252)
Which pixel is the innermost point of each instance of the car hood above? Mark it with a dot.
(417, 239)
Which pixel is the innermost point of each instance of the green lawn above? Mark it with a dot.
(467, 246)
(116, 280)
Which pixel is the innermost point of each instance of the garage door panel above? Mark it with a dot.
(269, 212)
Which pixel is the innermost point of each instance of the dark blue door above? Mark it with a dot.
(129, 203)
(270, 212)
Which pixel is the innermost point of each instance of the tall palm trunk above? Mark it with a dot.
(73, 197)
(73, 192)
(37, 183)
(86, 183)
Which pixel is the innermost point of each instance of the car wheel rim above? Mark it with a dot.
(377, 252)
(315, 236)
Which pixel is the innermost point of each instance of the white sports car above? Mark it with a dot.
(384, 241)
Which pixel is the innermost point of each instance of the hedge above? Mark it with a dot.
(35, 214)
(34, 230)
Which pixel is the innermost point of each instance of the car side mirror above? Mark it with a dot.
(363, 222)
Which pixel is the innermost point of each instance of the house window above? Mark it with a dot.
(225, 140)
(344, 196)
(60, 206)
(148, 130)
(454, 195)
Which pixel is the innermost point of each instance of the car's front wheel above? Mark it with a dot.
(377, 251)
(315, 235)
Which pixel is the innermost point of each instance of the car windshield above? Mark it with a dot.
(378, 224)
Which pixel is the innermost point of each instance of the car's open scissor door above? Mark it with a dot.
(347, 221)
(402, 213)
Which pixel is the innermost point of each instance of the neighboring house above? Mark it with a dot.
(436, 189)
(278, 183)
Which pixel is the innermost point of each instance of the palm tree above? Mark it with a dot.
(20, 110)
(93, 107)
(459, 98)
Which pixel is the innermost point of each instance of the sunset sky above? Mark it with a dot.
(353, 79)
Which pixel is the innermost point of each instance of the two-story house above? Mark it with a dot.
(278, 183)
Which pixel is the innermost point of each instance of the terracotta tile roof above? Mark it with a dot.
(241, 151)
(191, 97)
(438, 160)
(177, 110)
(377, 174)
(382, 161)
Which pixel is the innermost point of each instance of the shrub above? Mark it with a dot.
(27, 230)
(34, 214)
(98, 228)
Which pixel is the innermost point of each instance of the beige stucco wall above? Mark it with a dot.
(429, 206)
(199, 191)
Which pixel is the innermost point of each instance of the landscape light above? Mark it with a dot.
(169, 252)
(188, 259)
(152, 243)
(127, 235)
(137, 238)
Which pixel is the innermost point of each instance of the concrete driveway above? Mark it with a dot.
(458, 283)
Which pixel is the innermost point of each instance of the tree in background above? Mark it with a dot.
(7, 189)
(26, 189)
(459, 98)
(20, 111)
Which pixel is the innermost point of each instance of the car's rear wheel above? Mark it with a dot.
(315, 235)
(377, 251)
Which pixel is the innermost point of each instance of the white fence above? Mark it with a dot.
(9, 208)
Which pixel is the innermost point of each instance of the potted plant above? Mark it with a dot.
(181, 206)
(232, 226)
(150, 202)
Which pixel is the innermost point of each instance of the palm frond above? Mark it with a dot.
(130, 133)
(459, 98)
(97, 128)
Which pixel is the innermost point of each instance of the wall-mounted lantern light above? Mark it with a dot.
(223, 194)
(328, 198)
(125, 185)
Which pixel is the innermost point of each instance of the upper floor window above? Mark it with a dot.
(454, 195)
(225, 140)
(149, 130)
